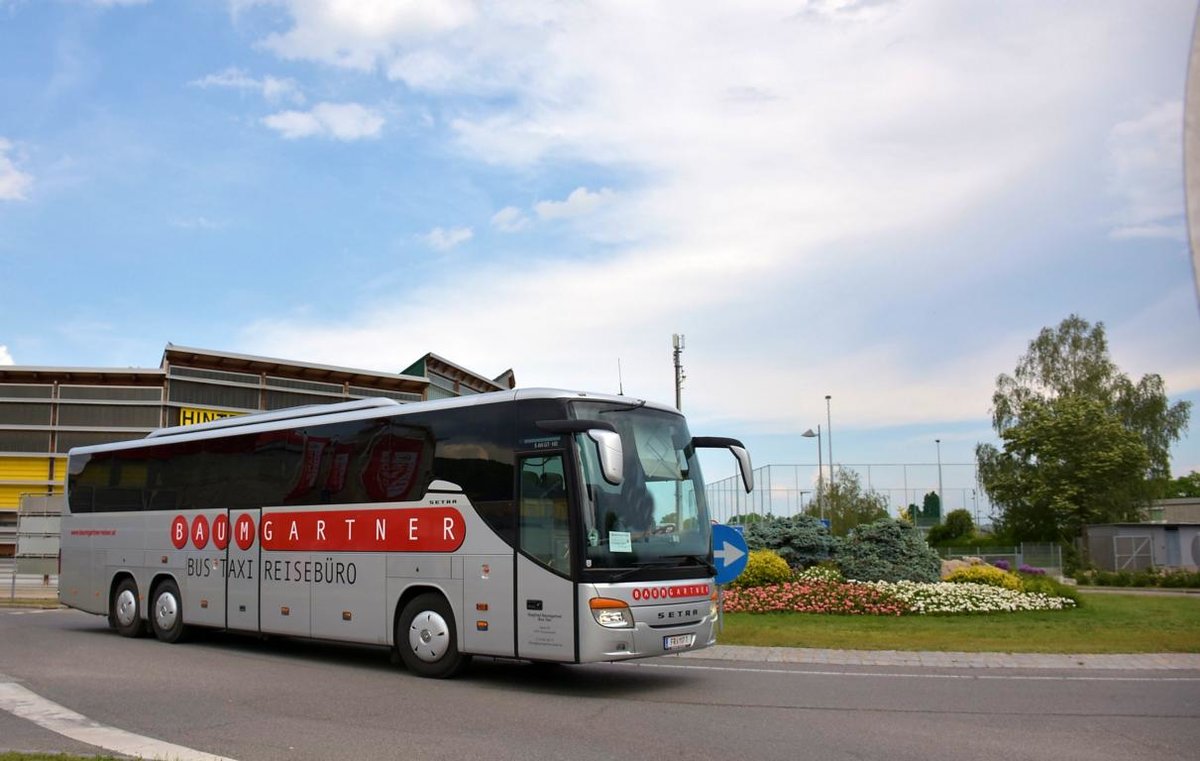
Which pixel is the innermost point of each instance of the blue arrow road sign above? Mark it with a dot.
(729, 552)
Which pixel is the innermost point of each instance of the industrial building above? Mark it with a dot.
(44, 411)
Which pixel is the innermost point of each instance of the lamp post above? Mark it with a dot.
(941, 503)
(820, 467)
(829, 438)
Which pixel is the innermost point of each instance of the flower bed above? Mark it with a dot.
(843, 598)
(883, 598)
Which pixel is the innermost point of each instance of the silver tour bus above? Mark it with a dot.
(535, 524)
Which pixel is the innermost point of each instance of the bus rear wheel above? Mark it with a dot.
(125, 612)
(166, 612)
(426, 638)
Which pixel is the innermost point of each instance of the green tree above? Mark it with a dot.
(1082, 443)
(846, 504)
(957, 526)
(1067, 463)
(1182, 487)
(1072, 361)
(930, 513)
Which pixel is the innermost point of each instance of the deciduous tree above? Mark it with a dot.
(1082, 443)
(846, 504)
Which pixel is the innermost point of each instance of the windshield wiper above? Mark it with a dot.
(698, 560)
(636, 406)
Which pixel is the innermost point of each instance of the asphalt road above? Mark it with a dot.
(255, 700)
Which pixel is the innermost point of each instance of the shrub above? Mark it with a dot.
(1003, 565)
(1027, 569)
(1050, 587)
(801, 540)
(957, 527)
(1180, 579)
(763, 567)
(986, 574)
(887, 550)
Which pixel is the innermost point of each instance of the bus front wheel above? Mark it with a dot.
(426, 638)
(125, 612)
(166, 612)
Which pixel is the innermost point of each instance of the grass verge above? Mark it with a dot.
(1103, 624)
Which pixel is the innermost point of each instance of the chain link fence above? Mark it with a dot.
(786, 490)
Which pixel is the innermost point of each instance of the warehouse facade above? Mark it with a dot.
(45, 411)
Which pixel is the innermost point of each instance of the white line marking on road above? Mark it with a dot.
(24, 704)
(879, 674)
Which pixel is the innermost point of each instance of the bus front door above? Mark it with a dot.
(545, 593)
(243, 571)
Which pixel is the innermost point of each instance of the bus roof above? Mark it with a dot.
(359, 409)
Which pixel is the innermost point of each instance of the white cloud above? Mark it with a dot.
(580, 202)
(444, 240)
(765, 166)
(14, 184)
(1146, 173)
(510, 219)
(341, 121)
(273, 89)
(361, 34)
(5, 357)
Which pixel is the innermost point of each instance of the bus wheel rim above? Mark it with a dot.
(166, 610)
(429, 636)
(126, 607)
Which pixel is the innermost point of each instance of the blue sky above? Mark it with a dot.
(881, 201)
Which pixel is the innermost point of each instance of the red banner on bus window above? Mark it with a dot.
(429, 529)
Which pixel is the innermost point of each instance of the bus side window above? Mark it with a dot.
(545, 527)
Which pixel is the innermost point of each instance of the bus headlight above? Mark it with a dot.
(610, 613)
(712, 604)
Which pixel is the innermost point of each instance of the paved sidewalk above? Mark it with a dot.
(1129, 662)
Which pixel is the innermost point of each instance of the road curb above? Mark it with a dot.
(924, 659)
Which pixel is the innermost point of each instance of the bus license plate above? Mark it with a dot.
(679, 642)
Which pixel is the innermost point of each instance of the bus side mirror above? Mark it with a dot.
(612, 454)
(739, 452)
(609, 451)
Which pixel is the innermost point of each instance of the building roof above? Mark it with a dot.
(92, 376)
(433, 363)
(247, 363)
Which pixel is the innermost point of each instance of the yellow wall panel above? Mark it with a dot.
(24, 468)
(10, 495)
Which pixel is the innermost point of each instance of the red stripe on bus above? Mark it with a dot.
(429, 529)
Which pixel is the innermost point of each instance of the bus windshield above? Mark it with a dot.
(657, 517)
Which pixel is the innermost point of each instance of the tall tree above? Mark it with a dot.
(1082, 442)
(846, 503)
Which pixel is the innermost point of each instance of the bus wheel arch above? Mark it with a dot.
(426, 634)
(125, 607)
(166, 609)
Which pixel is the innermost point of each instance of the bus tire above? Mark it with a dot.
(125, 611)
(166, 612)
(426, 638)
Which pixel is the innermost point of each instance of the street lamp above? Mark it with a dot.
(829, 439)
(941, 503)
(820, 468)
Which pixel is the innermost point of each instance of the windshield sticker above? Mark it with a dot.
(619, 541)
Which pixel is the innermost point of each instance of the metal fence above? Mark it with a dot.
(786, 490)
(30, 587)
(1046, 556)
